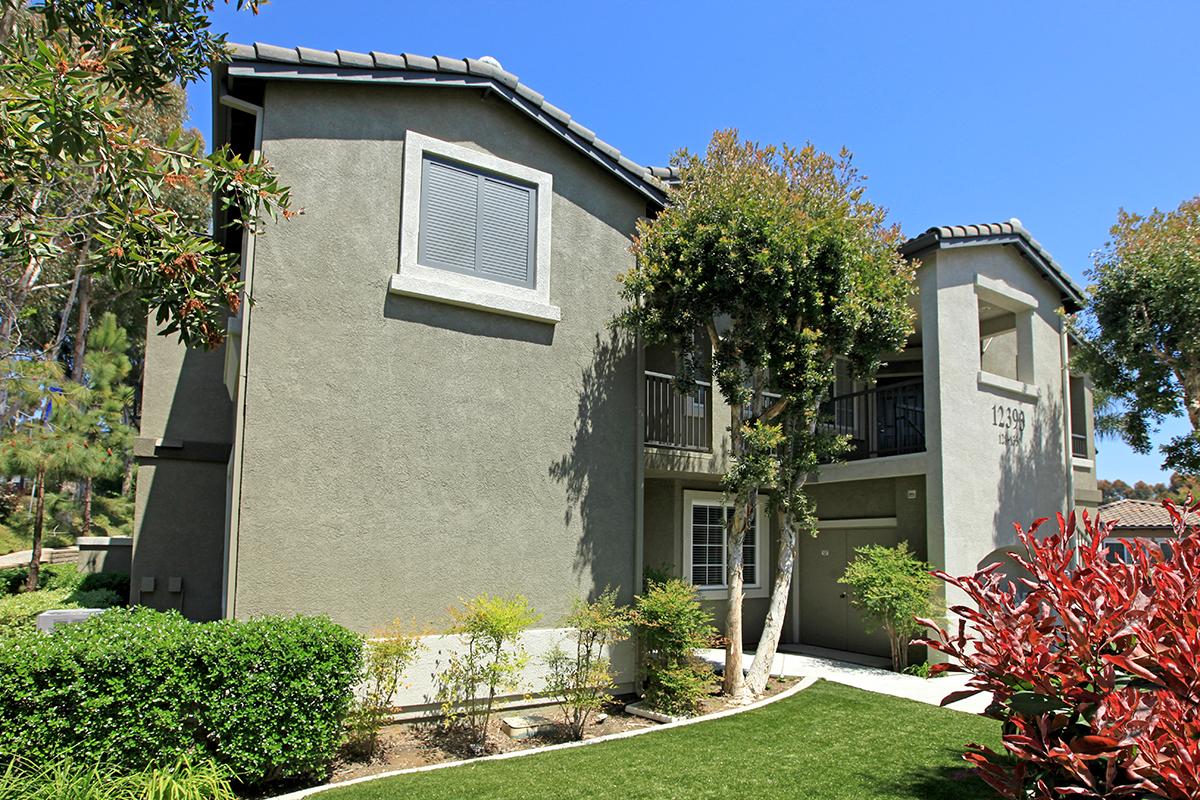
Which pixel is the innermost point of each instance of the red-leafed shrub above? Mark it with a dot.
(1093, 663)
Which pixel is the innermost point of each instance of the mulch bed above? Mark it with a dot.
(417, 744)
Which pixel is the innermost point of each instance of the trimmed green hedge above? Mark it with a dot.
(134, 688)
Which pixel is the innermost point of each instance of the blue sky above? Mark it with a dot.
(1057, 113)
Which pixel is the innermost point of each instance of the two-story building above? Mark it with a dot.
(425, 401)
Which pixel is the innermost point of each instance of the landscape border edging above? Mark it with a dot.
(800, 686)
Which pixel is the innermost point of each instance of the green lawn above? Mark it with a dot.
(829, 741)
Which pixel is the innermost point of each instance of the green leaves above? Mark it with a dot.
(894, 589)
(1140, 339)
(75, 79)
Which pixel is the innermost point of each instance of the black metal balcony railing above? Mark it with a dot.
(884, 421)
(675, 419)
(1079, 445)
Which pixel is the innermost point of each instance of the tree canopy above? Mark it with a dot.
(1141, 333)
(776, 255)
(84, 183)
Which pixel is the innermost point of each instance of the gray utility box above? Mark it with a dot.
(49, 620)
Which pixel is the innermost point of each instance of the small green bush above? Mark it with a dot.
(672, 625)
(387, 654)
(69, 780)
(581, 676)
(50, 576)
(492, 662)
(135, 688)
(18, 612)
(892, 588)
(117, 582)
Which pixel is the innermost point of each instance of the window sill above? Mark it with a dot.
(1085, 464)
(722, 593)
(1024, 391)
(465, 297)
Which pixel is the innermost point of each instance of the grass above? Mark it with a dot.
(828, 741)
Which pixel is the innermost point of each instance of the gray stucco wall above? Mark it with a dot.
(400, 453)
(982, 477)
(179, 511)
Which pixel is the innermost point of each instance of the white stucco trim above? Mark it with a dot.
(756, 585)
(416, 280)
(857, 522)
(1025, 391)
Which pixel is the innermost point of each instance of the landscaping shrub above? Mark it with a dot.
(581, 679)
(892, 588)
(50, 576)
(387, 655)
(117, 582)
(134, 688)
(69, 780)
(18, 612)
(672, 625)
(1093, 664)
(492, 663)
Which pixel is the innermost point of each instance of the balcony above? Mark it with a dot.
(1079, 445)
(883, 421)
(675, 419)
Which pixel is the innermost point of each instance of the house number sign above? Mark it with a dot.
(1009, 422)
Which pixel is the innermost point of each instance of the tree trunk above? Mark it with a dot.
(39, 515)
(127, 479)
(87, 506)
(734, 683)
(899, 650)
(81, 330)
(80, 259)
(768, 643)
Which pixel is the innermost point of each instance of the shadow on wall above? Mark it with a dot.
(181, 493)
(602, 424)
(1033, 474)
(466, 320)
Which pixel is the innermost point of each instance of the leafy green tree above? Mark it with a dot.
(46, 442)
(1141, 335)
(106, 406)
(85, 191)
(775, 254)
(893, 588)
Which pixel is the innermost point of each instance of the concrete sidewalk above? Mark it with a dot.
(871, 679)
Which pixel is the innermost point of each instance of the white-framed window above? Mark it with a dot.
(1118, 552)
(705, 554)
(474, 230)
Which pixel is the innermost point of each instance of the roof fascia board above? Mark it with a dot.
(281, 71)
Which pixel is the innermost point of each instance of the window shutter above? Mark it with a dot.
(708, 545)
(506, 227)
(449, 208)
(477, 223)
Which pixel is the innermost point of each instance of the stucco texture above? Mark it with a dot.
(179, 511)
(401, 453)
(982, 477)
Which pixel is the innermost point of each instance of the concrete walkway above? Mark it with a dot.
(871, 679)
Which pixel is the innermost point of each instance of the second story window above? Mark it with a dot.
(477, 223)
(474, 230)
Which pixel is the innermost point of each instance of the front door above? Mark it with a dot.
(827, 619)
